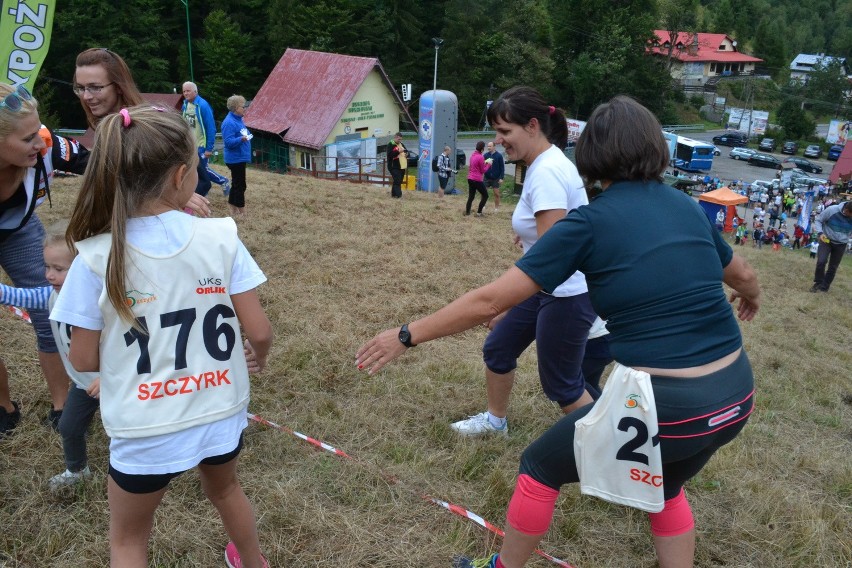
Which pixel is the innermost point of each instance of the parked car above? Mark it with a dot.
(790, 147)
(767, 145)
(813, 151)
(716, 151)
(731, 138)
(804, 165)
(742, 153)
(764, 161)
(834, 152)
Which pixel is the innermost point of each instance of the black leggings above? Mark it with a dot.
(472, 187)
(237, 197)
(696, 417)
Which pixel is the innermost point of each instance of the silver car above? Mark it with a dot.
(742, 153)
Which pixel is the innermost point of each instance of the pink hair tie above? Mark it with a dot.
(123, 112)
(551, 110)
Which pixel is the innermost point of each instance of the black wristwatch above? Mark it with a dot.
(405, 336)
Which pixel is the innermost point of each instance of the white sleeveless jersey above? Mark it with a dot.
(617, 444)
(62, 337)
(189, 368)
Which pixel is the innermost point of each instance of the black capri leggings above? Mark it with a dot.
(472, 187)
(696, 417)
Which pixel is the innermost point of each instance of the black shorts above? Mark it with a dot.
(492, 183)
(140, 484)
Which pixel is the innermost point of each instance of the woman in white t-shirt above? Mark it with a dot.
(533, 132)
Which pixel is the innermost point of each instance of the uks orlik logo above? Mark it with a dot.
(133, 297)
(632, 401)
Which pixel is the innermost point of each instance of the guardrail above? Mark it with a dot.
(683, 127)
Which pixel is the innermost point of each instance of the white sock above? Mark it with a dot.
(495, 421)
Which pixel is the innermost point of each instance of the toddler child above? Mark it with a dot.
(82, 399)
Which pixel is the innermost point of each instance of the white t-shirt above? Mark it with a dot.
(77, 305)
(552, 182)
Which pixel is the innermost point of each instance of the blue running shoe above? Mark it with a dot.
(465, 562)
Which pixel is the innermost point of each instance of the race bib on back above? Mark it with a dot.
(617, 444)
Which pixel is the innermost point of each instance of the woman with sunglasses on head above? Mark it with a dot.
(28, 155)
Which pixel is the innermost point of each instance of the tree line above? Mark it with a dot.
(577, 52)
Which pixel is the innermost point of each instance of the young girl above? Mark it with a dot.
(82, 402)
(156, 299)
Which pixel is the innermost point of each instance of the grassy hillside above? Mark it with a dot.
(344, 262)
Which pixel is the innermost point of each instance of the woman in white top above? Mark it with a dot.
(535, 133)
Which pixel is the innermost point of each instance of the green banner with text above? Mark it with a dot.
(25, 27)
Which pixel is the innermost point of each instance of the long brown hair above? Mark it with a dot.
(129, 167)
(117, 72)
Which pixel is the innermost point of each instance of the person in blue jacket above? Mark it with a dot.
(237, 142)
(199, 115)
(494, 176)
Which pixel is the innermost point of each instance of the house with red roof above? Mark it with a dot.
(317, 109)
(699, 57)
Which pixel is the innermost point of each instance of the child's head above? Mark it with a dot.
(58, 255)
(143, 162)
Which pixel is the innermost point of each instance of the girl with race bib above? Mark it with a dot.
(667, 315)
(157, 300)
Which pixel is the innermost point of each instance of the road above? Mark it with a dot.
(727, 169)
(724, 167)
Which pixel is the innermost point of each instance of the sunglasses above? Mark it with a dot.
(15, 100)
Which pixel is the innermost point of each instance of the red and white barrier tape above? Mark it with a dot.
(21, 313)
(455, 509)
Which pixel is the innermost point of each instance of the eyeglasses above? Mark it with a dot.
(91, 89)
(15, 100)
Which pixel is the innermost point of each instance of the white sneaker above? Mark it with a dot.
(68, 478)
(478, 425)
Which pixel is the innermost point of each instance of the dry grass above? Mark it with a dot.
(346, 261)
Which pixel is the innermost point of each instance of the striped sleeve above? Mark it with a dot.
(28, 298)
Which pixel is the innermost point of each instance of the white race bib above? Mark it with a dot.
(617, 445)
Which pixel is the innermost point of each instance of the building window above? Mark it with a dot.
(713, 67)
(305, 160)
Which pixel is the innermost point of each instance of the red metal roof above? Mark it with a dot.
(843, 167)
(308, 92)
(707, 48)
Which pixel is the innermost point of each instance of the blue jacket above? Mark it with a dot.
(208, 125)
(497, 169)
(237, 150)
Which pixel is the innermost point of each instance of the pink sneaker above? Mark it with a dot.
(232, 557)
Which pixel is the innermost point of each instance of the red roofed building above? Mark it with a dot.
(324, 106)
(842, 170)
(698, 57)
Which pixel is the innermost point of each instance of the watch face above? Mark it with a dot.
(405, 336)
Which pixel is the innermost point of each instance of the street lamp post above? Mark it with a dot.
(188, 40)
(437, 42)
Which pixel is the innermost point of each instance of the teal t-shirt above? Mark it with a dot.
(653, 263)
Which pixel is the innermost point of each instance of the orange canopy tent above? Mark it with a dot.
(721, 199)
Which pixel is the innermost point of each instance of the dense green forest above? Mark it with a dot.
(577, 52)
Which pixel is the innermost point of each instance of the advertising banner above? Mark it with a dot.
(575, 128)
(753, 122)
(839, 132)
(25, 27)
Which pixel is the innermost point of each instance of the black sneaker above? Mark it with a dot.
(816, 288)
(8, 420)
(52, 419)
